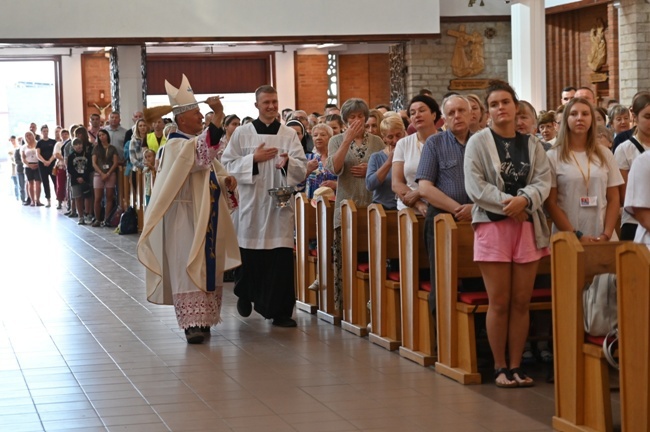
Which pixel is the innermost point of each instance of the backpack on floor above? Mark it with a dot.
(113, 219)
(129, 222)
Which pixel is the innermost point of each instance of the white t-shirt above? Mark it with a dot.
(638, 193)
(570, 184)
(625, 154)
(409, 151)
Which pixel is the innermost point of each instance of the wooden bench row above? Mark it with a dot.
(400, 315)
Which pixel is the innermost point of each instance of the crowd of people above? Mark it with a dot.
(494, 161)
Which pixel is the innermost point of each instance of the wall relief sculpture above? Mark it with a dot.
(468, 58)
(598, 53)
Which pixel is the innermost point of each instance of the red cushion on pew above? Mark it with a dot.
(596, 340)
(481, 297)
(363, 267)
(394, 276)
(313, 252)
(541, 295)
(425, 286)
(473, 298)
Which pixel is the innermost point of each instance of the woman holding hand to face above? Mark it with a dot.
(349, 153)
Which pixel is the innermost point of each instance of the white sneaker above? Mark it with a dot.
(88, 219)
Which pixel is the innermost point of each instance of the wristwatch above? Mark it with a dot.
(578, 234)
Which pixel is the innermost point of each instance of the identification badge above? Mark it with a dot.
(588, 201)
(106, 167)
(81, 171)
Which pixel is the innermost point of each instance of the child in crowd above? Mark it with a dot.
(79, 170)
(149, 168)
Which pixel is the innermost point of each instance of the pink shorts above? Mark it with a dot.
(98, 183)
(506, 241)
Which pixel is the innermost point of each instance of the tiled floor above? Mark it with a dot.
(82, 350)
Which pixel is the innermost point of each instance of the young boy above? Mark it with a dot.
(79, 170)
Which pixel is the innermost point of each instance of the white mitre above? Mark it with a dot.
(181, 99)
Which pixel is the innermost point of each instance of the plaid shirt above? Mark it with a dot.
(442, 165)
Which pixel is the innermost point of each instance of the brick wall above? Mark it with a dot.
(365, 76)
(95, 77)
(568, 45)
(634, 36)
(429, 60)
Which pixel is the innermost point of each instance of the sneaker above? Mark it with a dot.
(546, 356)
(72, 215)
(27, 202)
(89, 219)
(194, 335)
(284, 322)
(244, 307)
(68, 213)
(527, 357)
(314, 286)
(39, 204)
(59, 206)
(96, 224)
(81, 221)
(49, 204)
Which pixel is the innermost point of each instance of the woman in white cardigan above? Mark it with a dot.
(507, 176)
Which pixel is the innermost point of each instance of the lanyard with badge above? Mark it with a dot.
(586, 200)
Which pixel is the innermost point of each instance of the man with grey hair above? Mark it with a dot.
(440, 174)
(137, 115)
(117, 133)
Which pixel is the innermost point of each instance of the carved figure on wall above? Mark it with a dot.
(598, 54)
(102, 110)
(469, 57)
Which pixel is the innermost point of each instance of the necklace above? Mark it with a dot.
(359, 151)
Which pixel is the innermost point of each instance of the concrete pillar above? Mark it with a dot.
(129, 61)
(529, 51)
(634, 58)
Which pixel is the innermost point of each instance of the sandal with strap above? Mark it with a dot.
(521, 378)
(505, 372)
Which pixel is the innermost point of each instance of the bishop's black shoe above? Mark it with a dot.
(244, 307)
(284, 322)
(194, 335)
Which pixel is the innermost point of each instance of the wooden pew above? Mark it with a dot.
(454, 243)
(325, 235)
(305, 219)
(124, 189)
(633, 291)
(384, 292)
(354, 240)
(418, 342)
(138, 198)
(582, 396)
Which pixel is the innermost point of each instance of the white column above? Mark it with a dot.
(129, 64)
(529, 51)
(633, 59)
(72, 92)
(285, 80)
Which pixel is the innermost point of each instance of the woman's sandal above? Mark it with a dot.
(521, 378)
(505, 372)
